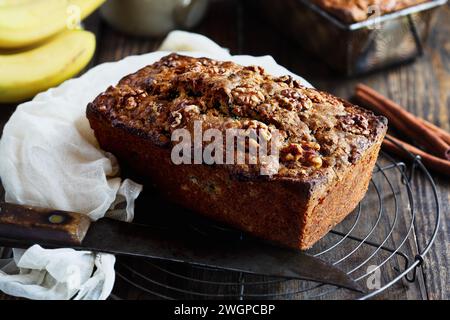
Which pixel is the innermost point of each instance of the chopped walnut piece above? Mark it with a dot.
(292, 152)
(247, 96)
(291, 98)
(130, 103)
(316, 161)
(311, 145)
(356, 123)
(287, 79)
(256, 69)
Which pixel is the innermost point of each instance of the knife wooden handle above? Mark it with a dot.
(28, 223)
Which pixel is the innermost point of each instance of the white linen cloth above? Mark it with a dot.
(49, 157)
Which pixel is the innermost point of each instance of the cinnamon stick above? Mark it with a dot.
(396, 122)
(433, 163)
(404, 121)
(444, 135)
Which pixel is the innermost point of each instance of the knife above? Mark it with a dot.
(22, 226)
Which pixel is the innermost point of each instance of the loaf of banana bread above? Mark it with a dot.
(326, 146)
(351, 11)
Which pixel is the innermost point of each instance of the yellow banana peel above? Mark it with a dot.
(27, 22)
(24, 74)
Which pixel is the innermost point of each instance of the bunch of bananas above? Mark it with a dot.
(42, 44)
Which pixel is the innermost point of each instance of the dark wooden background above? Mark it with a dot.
(423, 87)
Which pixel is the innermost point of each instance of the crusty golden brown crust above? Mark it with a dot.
(294, 207)
(351, 11)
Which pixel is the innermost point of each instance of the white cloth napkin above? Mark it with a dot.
(38, 273)
(49, 157)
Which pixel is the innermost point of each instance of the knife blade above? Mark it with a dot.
(22, 226)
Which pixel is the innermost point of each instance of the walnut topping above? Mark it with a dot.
(291, 94)
(290, 157)
(259, 128)
(183, 111)
(316, 130)
(192, 108)
(141, 93)
(286, 102)
(256, 69)
(306, 153)
(253, 124)
(247, 96)
(314, 96)
(311, 145)
(297, 84)
(285, 79)
(260, 95)
(291, 99)
(307, 103)
(292, 152)
(130, 103)
(356, 123)
(149, 84)
(316, 161)
(265, 134)
(218, 70)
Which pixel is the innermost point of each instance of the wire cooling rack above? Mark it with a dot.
(376, 245)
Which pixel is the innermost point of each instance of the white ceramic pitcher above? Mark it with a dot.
(153, 17)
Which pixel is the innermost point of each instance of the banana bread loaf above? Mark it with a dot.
(327, 146)
(351, 11)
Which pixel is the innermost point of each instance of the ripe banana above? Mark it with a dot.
(23, 75)
(26, 22)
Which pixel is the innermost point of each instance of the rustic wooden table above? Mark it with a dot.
(423, 87)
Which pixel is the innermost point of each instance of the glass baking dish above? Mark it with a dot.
(356, 48)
